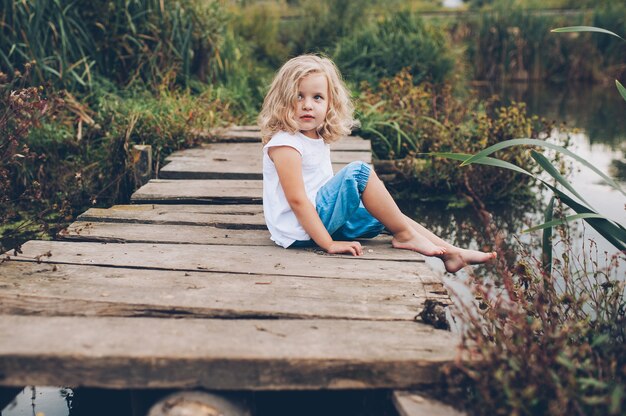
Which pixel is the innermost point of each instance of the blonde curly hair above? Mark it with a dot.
(279, 106)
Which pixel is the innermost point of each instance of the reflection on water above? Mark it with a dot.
(598, 110)
(48, 401)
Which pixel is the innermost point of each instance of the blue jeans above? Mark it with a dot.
(339, 205)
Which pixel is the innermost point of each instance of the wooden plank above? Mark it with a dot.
(349, 151)
(234, 161)
(220, 354)
(78, 290)
(249, 127)
(213, 157)
(219, 168)
(251, 136)
(221, 216)
(192, 191)
(237, 136)
(228, 259)
(375, 249)
(162, 233)
(409, 403)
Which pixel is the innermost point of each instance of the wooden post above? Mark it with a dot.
(200, 403)
(142, 164)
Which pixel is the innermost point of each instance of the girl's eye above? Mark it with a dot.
(299, 96)
(318, 97)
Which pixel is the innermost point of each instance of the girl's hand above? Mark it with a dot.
(351, 247)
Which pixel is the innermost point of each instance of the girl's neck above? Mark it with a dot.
(308, 135)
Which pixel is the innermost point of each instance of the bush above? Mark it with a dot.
(402, 40)
(22, 110)
(320, 24)
(405, 121)
(67, 155)
(547, 343)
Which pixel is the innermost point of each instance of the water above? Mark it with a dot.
(452, 4)
(598, 112)
(596, 117)
(40, 401)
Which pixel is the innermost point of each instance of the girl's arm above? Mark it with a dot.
(288, 164)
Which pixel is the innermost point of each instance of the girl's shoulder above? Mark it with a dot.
(283, 138)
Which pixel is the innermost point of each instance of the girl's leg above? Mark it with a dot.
(381, 205)
(455, 258)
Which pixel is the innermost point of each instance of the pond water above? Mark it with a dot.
(596, 111)
(452, 4)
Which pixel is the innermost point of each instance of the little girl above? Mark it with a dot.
(307, 107)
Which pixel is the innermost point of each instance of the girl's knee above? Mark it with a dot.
(359, 172)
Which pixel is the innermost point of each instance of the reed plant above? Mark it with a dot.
(71, 40)
(508, 41)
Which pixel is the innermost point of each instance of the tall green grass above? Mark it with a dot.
(125, 40)
(508, 41)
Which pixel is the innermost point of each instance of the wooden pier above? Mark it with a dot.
(184, 289)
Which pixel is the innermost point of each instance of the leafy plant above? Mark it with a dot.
(406, 121)
(546, 343)
(402, 40)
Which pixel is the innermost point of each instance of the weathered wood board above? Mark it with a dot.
(80, 290)
(219, 168)
(228, 259)
(221, 216)
(220, 353)
(233, 136)
(235, 161)
(209, 191)
(349, 151)
(163, 233)
(248, 127)
(375, 249)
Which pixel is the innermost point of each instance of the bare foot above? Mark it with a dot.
(416, 242)
(459, 258)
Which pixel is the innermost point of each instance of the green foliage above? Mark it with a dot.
(614, 232)
(548, 343)
(511, 42)
(620, 87)
(401, 40)
(48, 33)
(514, 44)
(320, 24)
(405, 121)
(258, 25)
(60, 155)
(71, 40)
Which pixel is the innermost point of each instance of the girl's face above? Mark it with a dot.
(312, 104)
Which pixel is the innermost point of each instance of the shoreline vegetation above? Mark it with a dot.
(81, 82)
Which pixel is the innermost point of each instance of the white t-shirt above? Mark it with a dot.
(316, 171)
